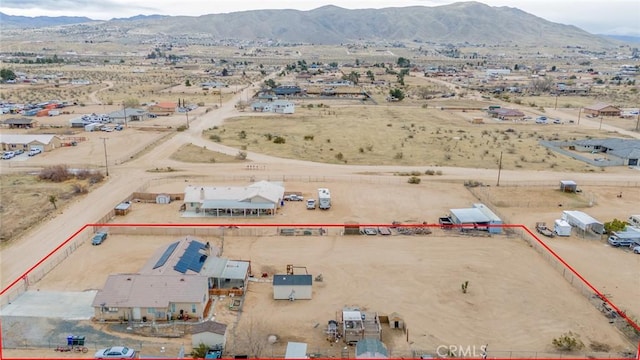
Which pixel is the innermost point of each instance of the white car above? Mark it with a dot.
(636, 250)
(34, 152)
(8, 155)
(115, 352)
(311, 204)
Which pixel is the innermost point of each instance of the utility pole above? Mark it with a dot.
(579, 113)
(556, 106)
(124, 112)
(499, 168)
(601, 117)
(106, 161)
(187, 113)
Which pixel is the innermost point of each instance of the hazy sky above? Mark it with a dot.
(602, 16)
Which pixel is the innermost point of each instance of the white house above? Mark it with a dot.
(292, 287)
(258, 199)
(276, 106)
(210, 333)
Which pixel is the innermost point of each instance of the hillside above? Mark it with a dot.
(470, 22)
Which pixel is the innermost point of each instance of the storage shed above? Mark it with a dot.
(396, 321)
(371, 349)
(582, 221)
(477, 217)
(296, 350)
(123, 208)
(210, 333)
(568, 186)
(292, 287)
(163, 199)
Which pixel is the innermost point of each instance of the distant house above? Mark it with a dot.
(258, 199)
(619, 151)
(506, 114)
(275, 106)
(286, 90)
(598, 110)
(213, 85)
(131, 114)
(12, 142)
(141, 297)
(210, 333)
(21, 123)
(163, 108)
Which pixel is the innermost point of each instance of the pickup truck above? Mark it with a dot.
(542, 228)
(34, 152)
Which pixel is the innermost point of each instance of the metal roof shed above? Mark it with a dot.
(296, 350)
(582, 221)
(468, 216)
(568, 186)
(292, 287)
(493, 218)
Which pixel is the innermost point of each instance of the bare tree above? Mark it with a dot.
(250, 338)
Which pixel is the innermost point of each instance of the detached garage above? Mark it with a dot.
(292, 287)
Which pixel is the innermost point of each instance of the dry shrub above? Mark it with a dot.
(79, 188)
(96, 177)
(83, 174)
(56, 173)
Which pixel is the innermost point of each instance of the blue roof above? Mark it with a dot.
(191, 259)
(165, 256)
(292, 280)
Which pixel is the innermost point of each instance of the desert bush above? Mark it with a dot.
(339, 156)
(182, 128)
(56, 173)
(279, 140)
(242, 155)
(215, 138)
(83, 174)
(568, 342)
(96, 177)
(414, 180)
(398, 155)
(430, 172)
(79, 188)
(308, 137)
(599, 347)
(472, 183)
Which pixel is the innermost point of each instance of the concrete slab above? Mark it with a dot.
(52, 304)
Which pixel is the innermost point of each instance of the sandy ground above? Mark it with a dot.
(417, 277)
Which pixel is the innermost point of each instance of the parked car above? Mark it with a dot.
(557, 121)
(8, 155)
(98, 238)
(311, 204)
(636, 250)
(617, 242)
(118, 127)
(34, 152)
(115, 352)
(541, 120)
(293, 197)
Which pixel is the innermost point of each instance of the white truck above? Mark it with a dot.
(634, 220)
(324, 199)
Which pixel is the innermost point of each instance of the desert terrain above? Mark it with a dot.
(365, 154)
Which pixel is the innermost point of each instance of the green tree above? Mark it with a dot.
(403, 62)
(353, 76)
(370, 75)
(225, 72)
(53, 199)
(614, 225)
(396, 93)
(187, 83)
(270, 83)
(7, 74)
(131, 102)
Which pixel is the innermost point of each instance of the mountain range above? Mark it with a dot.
(471, 22)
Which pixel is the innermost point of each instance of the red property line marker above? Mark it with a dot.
(329, 225)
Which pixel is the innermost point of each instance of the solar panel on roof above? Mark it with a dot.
(165, 256)
(191, 259)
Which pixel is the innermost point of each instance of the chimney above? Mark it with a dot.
(201, 193)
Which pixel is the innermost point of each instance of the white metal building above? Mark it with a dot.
(477, 217)
(582, 221)
(296, 350)
(292, 287)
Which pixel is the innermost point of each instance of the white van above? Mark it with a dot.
(634, 220)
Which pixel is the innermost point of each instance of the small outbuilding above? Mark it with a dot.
(478, 217)
(296, 350)
(568, 186)
(163, 199)
(210, 333)
(123, 208)
(368, 348)
(292, 287)
(396, 321)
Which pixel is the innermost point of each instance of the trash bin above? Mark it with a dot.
(80, 341)
(70, 340)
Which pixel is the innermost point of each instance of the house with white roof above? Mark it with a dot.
(262, 198)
